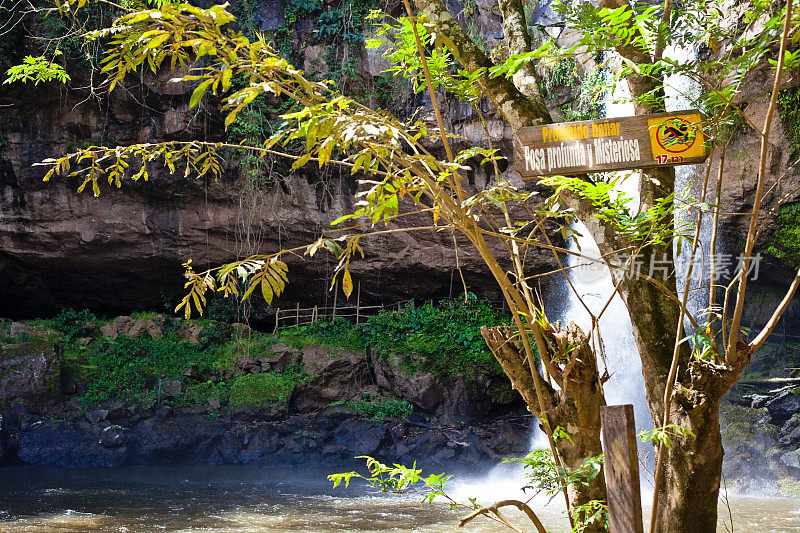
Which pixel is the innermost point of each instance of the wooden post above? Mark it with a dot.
(358, 302)
(314, 314)
(297, 315)
(335, 295)
(277, 315)
(621, 469)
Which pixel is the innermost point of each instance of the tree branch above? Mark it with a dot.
(522, 506)
(733, 336)
(518, 109)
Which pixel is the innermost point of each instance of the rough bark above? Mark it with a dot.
(518, 40)
(575, 407)
(517, 109)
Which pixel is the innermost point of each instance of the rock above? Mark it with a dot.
(125, 325)
(112, 437)
(116, 411)
(240, 331)
(171, 388)
(68, 386)
(248, 365)
(214, 403)
(759, 400)
(424, 390)
(280, 357)
(361, 437)
(190, 332)
(192, 372)
(65, 445)
(336, 374)
(456, 408)
(791, 438)
(176, 119)
(783, 407)
(20, 328)
(791, 459)
(270, 16)
(97, 415)
(30, 371)
(84, 341)
(791, 424)
(259, 444)
(164, 411)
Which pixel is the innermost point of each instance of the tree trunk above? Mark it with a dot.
(575, 407)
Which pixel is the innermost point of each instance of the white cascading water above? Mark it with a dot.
(590, 282)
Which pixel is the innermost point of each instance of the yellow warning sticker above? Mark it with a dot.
(677, 137)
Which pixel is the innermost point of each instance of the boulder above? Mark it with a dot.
(269, 16)
(783, 407)
(66, 445)
(279, 358)
(791, 460)
(97, 415)
(112, 437)
(337, 374)
(456, 408)
(127, 326)
(190, 332)
(247, 365)
(423, 390)
(170, 388)
(361, 437)
(19, 328)
(30, 371)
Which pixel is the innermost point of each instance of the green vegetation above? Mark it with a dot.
(266, 389)
(127, 368)
(586, 93)
(378, 411)
(784, 243)
(789, 110)
(336, 333)
(440, 338)
(443, 339)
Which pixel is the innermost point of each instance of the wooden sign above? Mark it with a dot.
(625, 143)
(621, 469)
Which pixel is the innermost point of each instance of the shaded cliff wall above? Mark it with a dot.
(123, 251)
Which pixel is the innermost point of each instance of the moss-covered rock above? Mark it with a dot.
(30, 371)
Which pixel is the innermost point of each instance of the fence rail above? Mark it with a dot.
(298, 316)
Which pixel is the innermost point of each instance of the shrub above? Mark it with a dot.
(784, 243)
(73, 323)
(379, 411)
(337, 333)
(126, 368)
(443, 339)
(199, 393)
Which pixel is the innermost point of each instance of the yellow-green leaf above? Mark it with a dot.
(347, 283)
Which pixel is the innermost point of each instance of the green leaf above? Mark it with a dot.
(199, 92)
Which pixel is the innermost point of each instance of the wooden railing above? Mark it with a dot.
(296, 316)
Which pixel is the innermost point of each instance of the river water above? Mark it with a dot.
(239, 499)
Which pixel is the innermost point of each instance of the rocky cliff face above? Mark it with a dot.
(123, 250)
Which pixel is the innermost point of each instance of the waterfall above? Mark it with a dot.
(591, 281)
